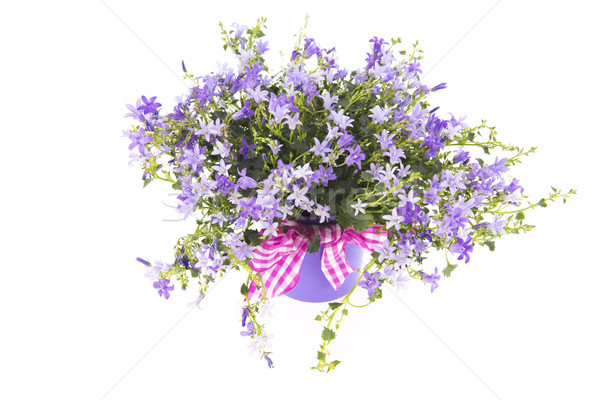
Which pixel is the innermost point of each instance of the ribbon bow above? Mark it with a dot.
(279, 257)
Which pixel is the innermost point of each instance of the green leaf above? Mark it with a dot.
(366, 176)
(334, 305)
(314, 244)
(380, 187)
(542, 203)
(334, 364)
(176, 185)
(363, 221)
(194, 273)
(491, 245)
(344, 220)
(147, 181)
(244, 290)
(328, 334)
(520, 216)
(252, 238)
(448, 270)
(318, 318)
(344, 312)
(321, 356)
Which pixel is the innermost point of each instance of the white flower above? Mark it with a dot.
(298, 194)
(323, 212)
(222, 168)
(380, 115)
(260, 343)
(407, 198)
(399, 281)
(358, 207)
(302, 172)
(266, 309)
(221, 149)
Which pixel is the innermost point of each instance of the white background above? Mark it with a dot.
(77, 313)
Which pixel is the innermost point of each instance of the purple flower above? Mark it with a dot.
(249, 330)
(345, 139)
(355, 157)
(411, 213)
(393, 220)
(138, 139)
(496, 225)
(370, 282)
(463, 247)
(340, 119)
(320, 149)
(139, 259)
(239, 29)
(194, 158)
(432, 279)
(395, 154)
(379, 115)
(431, 196)
(292, 121)
(326, 174)
(262, 47)
(163, 288)
(243, 251)
(250, 208)
(328, 99)
(245, 313)
(245, 182)
(149, 106)
(134, 111)
(245, 148)
(310, 47)
(461, 156)
(439, 87)
(246, 111)
(377, 44)
(385, 140)
(269, 361)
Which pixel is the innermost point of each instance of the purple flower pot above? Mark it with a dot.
(313, 286)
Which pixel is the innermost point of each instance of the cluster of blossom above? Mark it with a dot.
(247, 150)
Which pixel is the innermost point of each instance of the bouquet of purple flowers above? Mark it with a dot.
(251, 153)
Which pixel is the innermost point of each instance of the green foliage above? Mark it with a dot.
(448, 270)
(491, 245)
(314, 244)
(327, 334)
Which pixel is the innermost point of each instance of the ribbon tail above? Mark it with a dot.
(283, 274)
(334, 264)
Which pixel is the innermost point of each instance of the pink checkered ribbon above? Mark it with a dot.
(279, 257)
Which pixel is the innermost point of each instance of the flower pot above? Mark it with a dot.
(313, 286)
